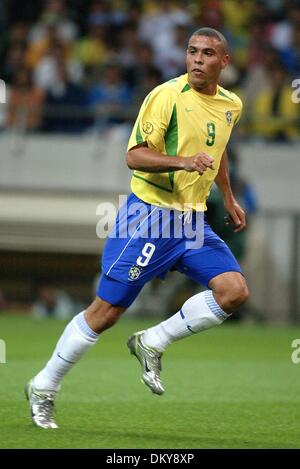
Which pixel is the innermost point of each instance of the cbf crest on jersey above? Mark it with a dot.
(228, 115)
(134, 272)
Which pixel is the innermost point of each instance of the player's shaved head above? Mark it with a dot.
(210, 32)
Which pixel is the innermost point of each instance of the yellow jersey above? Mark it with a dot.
(176, 120)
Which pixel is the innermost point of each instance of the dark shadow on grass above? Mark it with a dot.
(97, 439)
(159, 440)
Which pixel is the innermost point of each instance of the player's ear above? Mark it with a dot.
(225, 60)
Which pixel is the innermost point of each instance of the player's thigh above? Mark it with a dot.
(137, 260)
(117, 293)
(138, 250)
(204, 264)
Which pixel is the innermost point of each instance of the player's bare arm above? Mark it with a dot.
(143, 158)
(235, 211)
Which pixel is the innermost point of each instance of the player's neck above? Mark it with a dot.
(210, 90)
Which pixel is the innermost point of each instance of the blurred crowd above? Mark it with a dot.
(76, 65)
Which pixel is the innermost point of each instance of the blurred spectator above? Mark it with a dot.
(91, 49)
(54, 13)
(38, 50)
(231, 18)
(216, 212)
(66, 102)
(236, 15)
(171, 62)
(259, 77)
(290, 56)
(158, 28)
(152, 78)
(13, 61)
(230, 78)
(47, 75)
(241, 188)
(24, 106)
(102, 11)
(275, 116)
(13, 57)
(18, 34)
(148, 41)
(112, 88)
(135, 74)
(210, 14)
(259, 35)
(128, 47)
(282, 32)
(52, 303)
(112, 93)
(276, 8)
(134, 13)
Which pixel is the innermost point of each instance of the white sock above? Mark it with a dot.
(198, 313)
(76, 339)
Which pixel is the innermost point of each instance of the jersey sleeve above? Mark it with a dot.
(240, 103)
(153, 119)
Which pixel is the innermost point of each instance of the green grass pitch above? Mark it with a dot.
(234, 386)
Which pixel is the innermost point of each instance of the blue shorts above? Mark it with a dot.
(148, 241)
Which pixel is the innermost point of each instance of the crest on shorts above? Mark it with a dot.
(148, 128)
(134, 272)
(228, 115)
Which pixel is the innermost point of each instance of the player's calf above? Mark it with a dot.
(101, 315)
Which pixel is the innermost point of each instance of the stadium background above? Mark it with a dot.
(76, 72)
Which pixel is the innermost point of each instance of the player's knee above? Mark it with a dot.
(102, 315)
(234, 297)
(232, 293)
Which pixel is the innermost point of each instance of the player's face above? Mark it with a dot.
(205, 60)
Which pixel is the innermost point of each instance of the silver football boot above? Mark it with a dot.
(150, 361)
(41, 406)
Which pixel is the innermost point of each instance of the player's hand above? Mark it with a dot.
(199, 162)
(236, 215)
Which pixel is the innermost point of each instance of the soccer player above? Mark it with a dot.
(177, 150)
